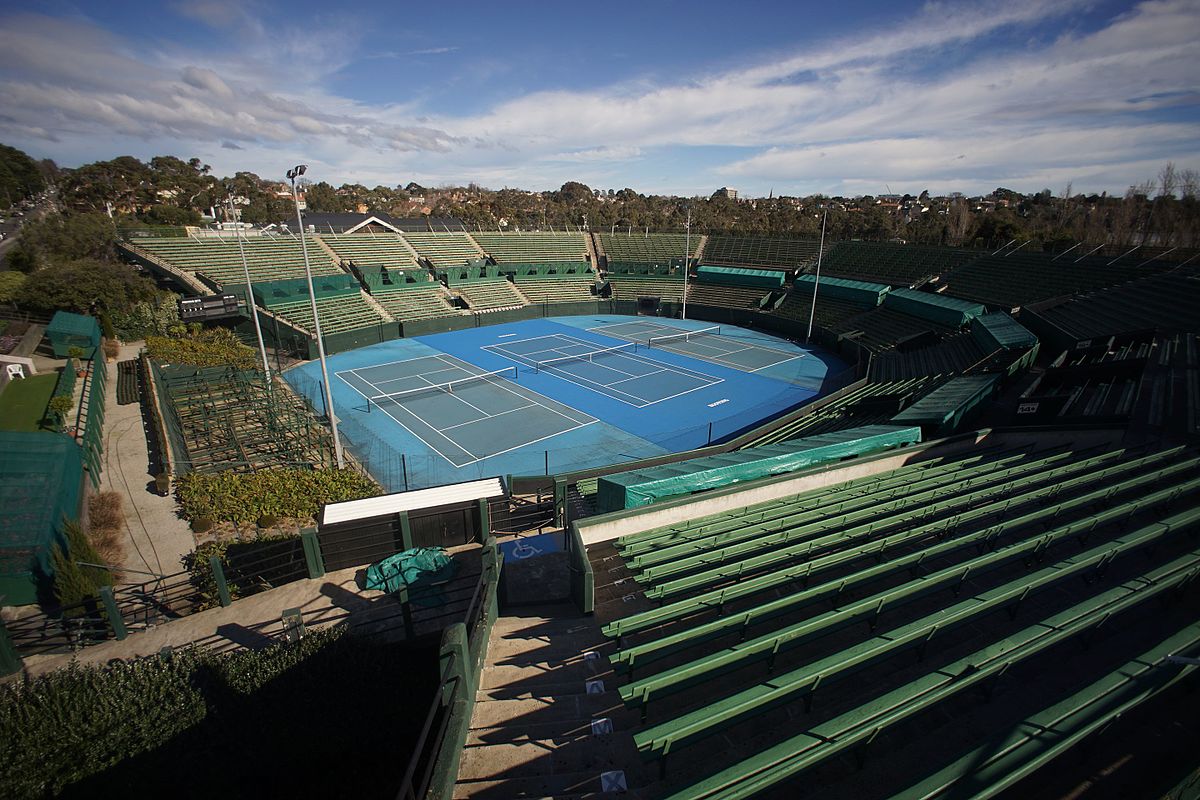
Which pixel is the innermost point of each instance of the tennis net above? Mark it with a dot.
(449, 387)
(550, 363)
(676, 338)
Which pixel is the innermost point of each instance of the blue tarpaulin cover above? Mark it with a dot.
(421, 566)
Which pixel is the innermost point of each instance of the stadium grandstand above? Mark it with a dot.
(893, 264)
(533, 248)
(1016, 278)
(646, 248)
(759, 251)
(444, 250)
(371, 249)
(959, 561)
(218, 259)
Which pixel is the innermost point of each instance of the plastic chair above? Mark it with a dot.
(16, 371)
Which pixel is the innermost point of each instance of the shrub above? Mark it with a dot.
(106, 527)
(74, 583)
(198, 724)
(245, 497)
(112, 348)
(215, 347)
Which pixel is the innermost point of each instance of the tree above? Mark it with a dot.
(20, 177)
(10, 285)
(60, 238)
(77, 286)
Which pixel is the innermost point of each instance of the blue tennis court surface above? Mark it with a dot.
(460, 412)
(555, 395)
(615, 371)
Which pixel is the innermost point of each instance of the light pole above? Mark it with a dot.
(292, 174)
(262, 347)
(687, 256)
(812, 311)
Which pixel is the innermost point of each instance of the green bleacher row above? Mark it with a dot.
(647, 248)
(1019, 278)
(873, 403)
(894, 264)
(979, 534)
(487, 294)
(533, 247)
(372, 249)
(759, 252)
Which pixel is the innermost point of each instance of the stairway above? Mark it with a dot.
(548, 721)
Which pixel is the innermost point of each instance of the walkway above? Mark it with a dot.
(156, 537)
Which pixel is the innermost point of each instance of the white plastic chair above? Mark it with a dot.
(16, 371)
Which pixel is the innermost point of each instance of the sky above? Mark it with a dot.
(794, 98)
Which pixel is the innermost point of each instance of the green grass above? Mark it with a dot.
(23, 403)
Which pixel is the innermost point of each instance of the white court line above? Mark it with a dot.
(534, 398)
(387, 363)
(456, 397)
(489, 416)
(442, 357)
(635, 377)
(563, 374)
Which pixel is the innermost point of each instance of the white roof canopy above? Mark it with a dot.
(368, 507)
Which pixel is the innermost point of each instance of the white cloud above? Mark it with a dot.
(865, 110)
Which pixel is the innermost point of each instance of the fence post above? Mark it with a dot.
(312, 552)
(114, 614)
(485, 521)
(218, 572)
(406, 540)
(560, 502)
(10, 660)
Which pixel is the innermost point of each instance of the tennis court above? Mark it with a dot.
(620, 372)
(707, 343)
(462, 413)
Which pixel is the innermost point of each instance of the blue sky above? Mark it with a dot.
(664, 97)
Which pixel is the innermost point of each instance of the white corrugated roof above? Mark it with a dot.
(368, 507)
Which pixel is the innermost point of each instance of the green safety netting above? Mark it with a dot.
(40, 477)
(67, 330)
(643, 487)
(410, 569)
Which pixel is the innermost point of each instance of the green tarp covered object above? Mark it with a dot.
(642, 487)
(420, 566)
(869, 294)
(740, 276)
(949, 311)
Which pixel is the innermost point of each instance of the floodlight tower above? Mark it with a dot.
(292, 174)
(687, 256)
(812, 311)
(262, 347)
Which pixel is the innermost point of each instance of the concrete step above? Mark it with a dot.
(569, 786)
(537, 674)
(547, 688)
(622, 720)
(564, 649)
(546, 757)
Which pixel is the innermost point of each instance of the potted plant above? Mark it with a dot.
(60, 406)
(162, 482)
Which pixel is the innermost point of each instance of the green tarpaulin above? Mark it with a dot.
(420, 566)
(946, 408)
(937, 308)
(273, 293)
(643, 487)
(1000, 331)
(869, 294)
(740, 276)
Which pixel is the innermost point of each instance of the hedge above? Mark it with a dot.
(244, 497)
(333, 715)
